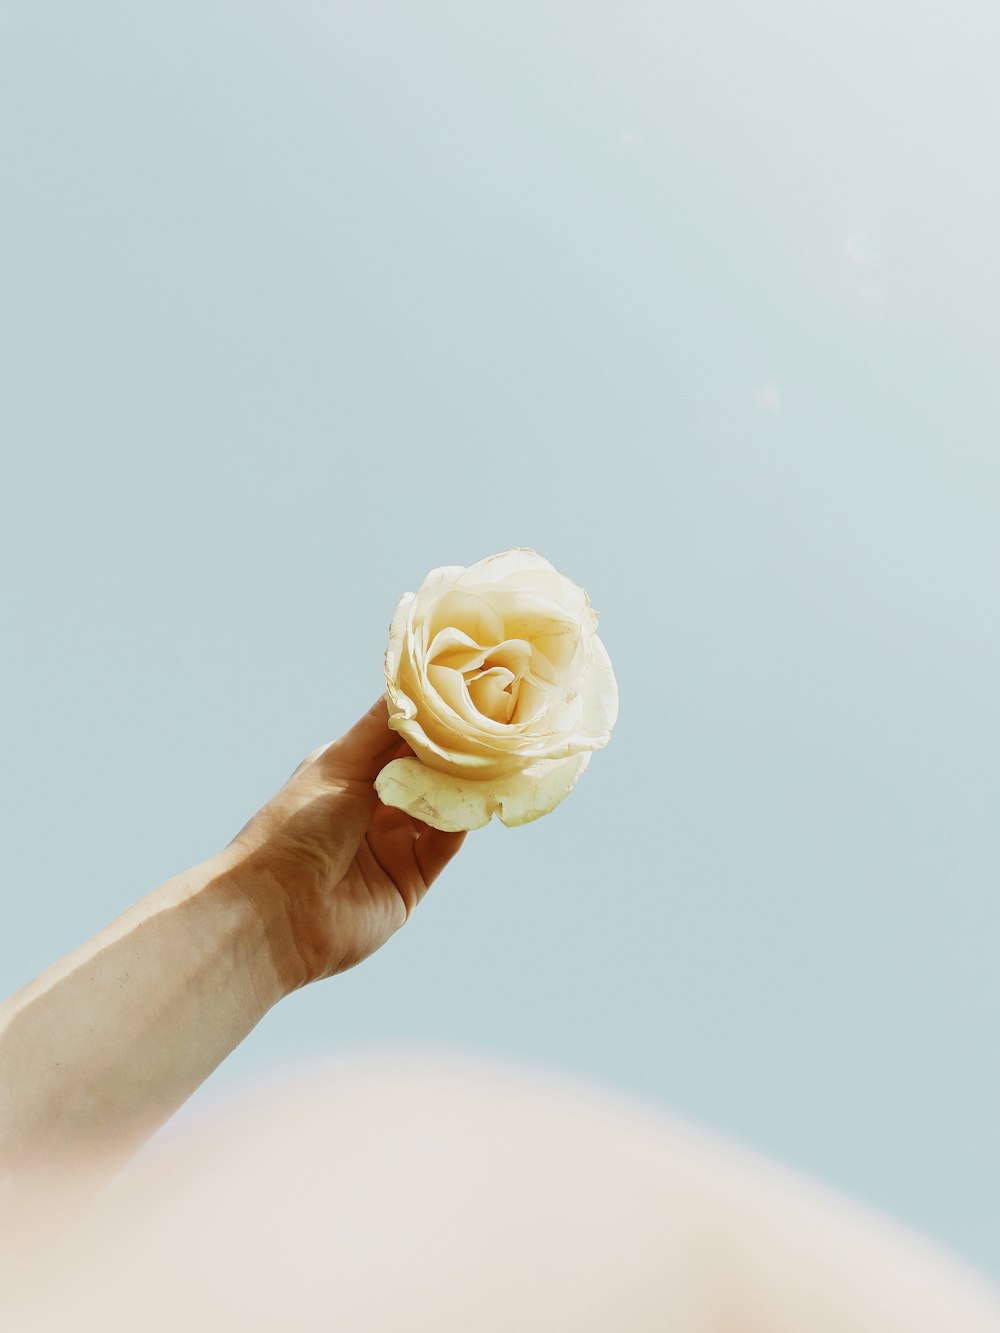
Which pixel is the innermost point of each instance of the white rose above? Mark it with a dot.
(499, 684)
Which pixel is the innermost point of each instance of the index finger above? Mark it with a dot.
(364, 750)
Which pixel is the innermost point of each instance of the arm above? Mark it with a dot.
(104, 1046)
(101, 1048)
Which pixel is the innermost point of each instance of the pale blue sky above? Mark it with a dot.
(298, 301)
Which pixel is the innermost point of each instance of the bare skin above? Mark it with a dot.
(105, 1045)
(346, 870)
(498, 1202)
(436, 1195)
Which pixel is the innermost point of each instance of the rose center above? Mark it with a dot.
(489, 680)
(493, 679)
(493, 691)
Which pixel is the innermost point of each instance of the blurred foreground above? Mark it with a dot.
(429, 1193)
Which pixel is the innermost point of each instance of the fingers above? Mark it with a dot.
(364, 751)
(433, 850)
(412, 852)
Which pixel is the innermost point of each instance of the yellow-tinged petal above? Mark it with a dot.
(453, 803)
(513, 565)
(538, 789)
(442, 800)
(496, 678)
(473, 616)
(600, 693)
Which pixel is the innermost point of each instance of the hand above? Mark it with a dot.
(334, 872)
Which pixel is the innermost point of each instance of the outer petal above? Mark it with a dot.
(600, 692)
(394, 656)
(454, 803)
(589, 716)
(439, 581)
(439, 799)
(525, 571)
(538, 789)
(508, 564)
(451, 759)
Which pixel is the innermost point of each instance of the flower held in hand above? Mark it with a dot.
(499, 684)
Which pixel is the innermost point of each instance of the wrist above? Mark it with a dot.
(251, 885)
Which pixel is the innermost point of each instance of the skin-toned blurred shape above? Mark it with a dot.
(497, 680)
(430, 1195)
(427, 1196)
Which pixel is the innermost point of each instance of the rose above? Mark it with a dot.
(499, 684)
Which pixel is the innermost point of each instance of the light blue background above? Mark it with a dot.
(300, 300)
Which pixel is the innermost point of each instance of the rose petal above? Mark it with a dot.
(442, 800)
(394, 656)
(452, 648)
(452, 803)
(538, 789)
(444, 739)
(550, 627)
(453, 689)
(438, 581)
(525, 570)
(473, 616)
(449, 724)
(489, 691)
(451, 719)
(514, 654)
(512, 565)
(600, 693)
(479, 762)
(532, 698)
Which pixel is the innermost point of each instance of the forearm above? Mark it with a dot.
(105, 1045)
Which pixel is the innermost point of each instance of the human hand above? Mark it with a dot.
(332, 871)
